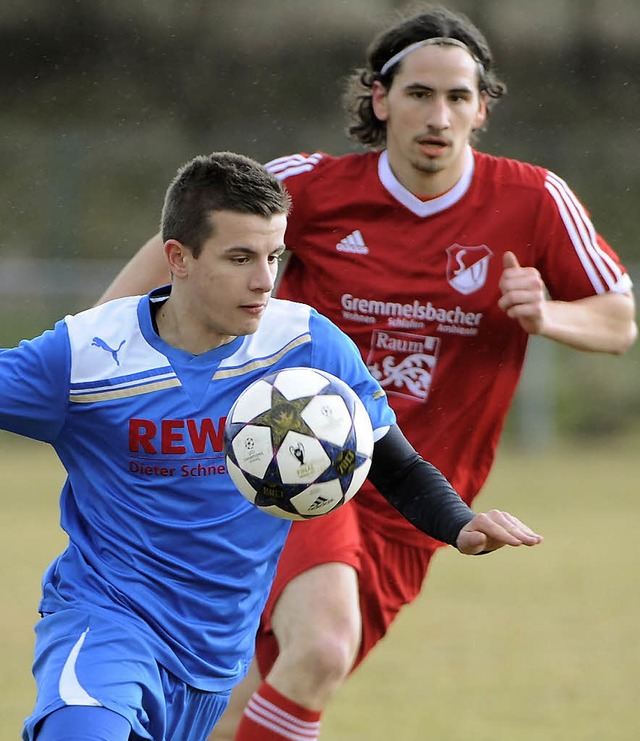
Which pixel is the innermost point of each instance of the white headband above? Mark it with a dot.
(435, 41)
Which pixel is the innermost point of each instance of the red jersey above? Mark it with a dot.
(415, 284)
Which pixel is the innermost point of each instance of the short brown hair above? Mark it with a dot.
(221, 181)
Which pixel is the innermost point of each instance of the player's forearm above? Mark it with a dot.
(417, 489)
(603, 323)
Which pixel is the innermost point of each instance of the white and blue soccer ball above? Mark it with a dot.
(298, 443)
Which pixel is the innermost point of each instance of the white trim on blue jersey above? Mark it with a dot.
(159, 538)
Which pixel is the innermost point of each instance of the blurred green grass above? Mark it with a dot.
(528, 644)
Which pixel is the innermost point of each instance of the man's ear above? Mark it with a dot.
(379, 94)
(176, 254)
(483, 110)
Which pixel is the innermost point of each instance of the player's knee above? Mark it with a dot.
(329, 657)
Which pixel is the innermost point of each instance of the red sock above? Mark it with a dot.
(270, 716)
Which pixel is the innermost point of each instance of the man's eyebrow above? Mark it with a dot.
(430, 88)
(245, 250)
(240, 248)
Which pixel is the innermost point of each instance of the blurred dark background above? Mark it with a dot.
(104, 99)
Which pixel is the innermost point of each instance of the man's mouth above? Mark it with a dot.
(433, 142)
(257, 308)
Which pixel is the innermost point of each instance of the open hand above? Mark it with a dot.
(489, 531)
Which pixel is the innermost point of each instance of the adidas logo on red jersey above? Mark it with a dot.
(353, 243)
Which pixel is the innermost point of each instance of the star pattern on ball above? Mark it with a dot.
(284, 415)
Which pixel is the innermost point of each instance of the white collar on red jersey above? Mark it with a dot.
(435, 205)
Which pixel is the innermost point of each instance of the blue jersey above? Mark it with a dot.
(159, 538)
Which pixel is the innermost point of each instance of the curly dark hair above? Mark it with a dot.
(431, 22)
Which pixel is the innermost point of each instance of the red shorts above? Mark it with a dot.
(390, 573)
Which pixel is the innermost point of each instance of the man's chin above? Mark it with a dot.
(431, 164)
(248, 328)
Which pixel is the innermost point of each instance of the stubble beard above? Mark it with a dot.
(428, 166)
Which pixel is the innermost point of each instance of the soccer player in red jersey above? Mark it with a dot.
(439, 261)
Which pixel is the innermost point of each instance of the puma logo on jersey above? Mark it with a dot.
(353, 243)
(468, 267)
(98, 342)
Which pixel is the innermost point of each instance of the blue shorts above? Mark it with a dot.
(83, 659)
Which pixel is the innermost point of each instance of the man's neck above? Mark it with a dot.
(424, 183)
(180, 330)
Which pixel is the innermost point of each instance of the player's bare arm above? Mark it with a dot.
(601, 323)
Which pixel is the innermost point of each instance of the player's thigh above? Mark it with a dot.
(391, 576)
(318, 602)
(85, 659)
(226, 727)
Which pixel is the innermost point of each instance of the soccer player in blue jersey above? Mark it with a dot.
(149, 615)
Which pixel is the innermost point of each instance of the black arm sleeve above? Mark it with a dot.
(417, 489)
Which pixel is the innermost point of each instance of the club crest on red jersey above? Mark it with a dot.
(467, 267)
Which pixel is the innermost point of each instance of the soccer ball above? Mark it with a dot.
(298, 443)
